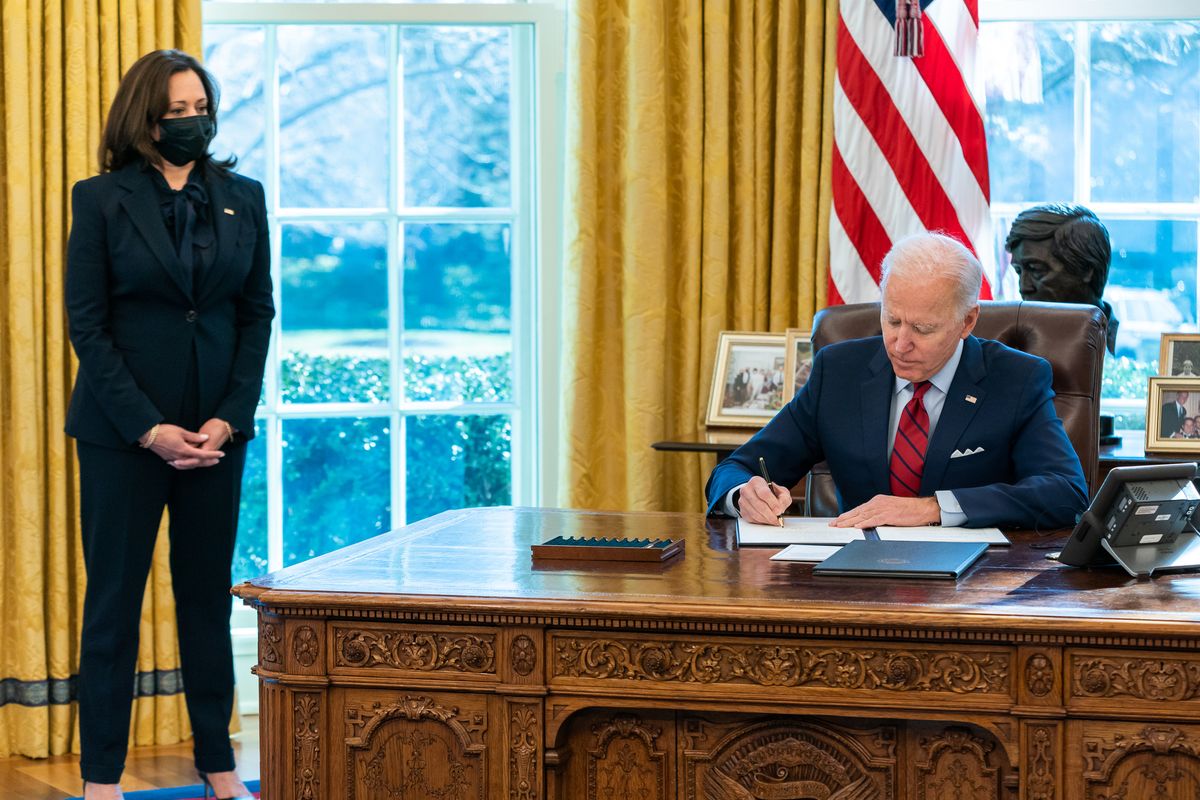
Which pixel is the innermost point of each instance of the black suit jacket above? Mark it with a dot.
(1171, 420)
(134, 317)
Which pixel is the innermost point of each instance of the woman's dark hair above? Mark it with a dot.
(142, 100)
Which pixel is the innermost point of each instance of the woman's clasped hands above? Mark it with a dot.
(184, 449)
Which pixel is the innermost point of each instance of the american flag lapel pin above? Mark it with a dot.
(971, 398)
(229, 211)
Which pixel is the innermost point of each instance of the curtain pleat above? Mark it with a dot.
(699, 138)
(61, 62)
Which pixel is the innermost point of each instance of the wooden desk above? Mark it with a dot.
(440, 661)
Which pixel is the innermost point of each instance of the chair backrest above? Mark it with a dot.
(1070, 336)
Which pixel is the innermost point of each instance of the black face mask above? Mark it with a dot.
(184, 139)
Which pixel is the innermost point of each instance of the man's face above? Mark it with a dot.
(1182, 398)
(1189, 425)
(1043, 277)
(921, 326)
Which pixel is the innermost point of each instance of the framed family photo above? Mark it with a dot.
(1173, 415)
(1179, 355)
(798, 365)
(748, 384)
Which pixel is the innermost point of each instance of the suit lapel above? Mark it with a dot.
(876, 400)
(957, 413)
(141, 203)
(225, 227)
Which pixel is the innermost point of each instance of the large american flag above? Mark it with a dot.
(909, 151)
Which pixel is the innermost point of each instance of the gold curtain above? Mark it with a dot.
(698, 201)
(61, 61)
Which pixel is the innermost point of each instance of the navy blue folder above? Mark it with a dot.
(902, 559)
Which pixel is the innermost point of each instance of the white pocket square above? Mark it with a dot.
(967, 452)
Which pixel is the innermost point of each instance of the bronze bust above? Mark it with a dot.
(1062, 253)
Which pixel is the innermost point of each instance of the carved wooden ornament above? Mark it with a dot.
(779, 665)
(1039, 675)
(425, 652)
(1168, 680)
(415, 749)
(307, 745)
(305, 646)
(268, 645)
(1154, 762)
(523, 654)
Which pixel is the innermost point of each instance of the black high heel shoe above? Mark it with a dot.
(209, 791)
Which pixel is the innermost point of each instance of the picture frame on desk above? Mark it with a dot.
(1173, 415)
(1179, 355)
(798, 365)
(748, 385)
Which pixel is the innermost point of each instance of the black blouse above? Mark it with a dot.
(188, 218)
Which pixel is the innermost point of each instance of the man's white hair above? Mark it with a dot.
(934, 255)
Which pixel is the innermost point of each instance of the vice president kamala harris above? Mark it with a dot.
(168, 296)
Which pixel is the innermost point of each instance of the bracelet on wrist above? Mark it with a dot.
(228, 431)
(150, 437)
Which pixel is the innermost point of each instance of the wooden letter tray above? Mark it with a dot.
(587, 548)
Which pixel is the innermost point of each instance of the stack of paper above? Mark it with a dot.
(795, 530)
(806, 552)
(813, 539)
(927, 533)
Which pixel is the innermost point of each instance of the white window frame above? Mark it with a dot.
(1081, 13)
(535, 215)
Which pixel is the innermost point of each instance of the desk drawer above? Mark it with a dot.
(1124, 683)
(381, 649)
(782, 669)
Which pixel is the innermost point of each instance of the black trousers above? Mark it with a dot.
(122, 494)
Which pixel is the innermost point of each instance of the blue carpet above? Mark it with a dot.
(179, 793)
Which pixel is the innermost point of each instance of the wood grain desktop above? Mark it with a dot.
(441, 660)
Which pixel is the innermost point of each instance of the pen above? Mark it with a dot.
(762, 467)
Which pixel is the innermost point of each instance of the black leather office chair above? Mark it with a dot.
(1068, 335)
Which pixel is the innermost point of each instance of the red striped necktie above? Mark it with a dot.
(912, 438)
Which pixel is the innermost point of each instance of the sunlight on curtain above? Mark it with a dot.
(698, 183)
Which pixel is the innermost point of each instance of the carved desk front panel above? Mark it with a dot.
(440, 661)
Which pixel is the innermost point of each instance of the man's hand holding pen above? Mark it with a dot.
(763, 501)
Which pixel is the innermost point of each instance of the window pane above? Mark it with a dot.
(458, 312)
(456, 116)
(1145, 111)
(234, 55)
(250, 552)
(333, 116)
(334, 313)
(1029, 81)
(1008, 283)
(457, 462)
(1152, 283)
(1152, 289)
(336, 484)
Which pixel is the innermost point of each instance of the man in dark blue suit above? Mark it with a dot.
(1173, 415)
(925, 424)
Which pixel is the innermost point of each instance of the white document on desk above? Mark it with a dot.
(933, 533)
(795, 530)
(806, 552)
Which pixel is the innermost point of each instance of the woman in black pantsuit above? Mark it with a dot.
(169, 304)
